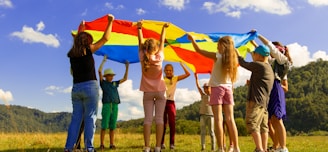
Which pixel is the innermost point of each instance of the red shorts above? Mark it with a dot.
(221, 95)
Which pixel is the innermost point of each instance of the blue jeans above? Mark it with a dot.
(85, 98)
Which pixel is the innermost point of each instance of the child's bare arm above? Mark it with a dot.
(197, 84)
(185, 75)
(140, 34)
(126, 72)
(101, 67)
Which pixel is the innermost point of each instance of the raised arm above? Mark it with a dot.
(94, 47)
(263, 39)
(254, 43)
(101, 67)
(81, 27)
(162, 38)
(126, 72)
(185, 75)
(140, 34)
(274, 51)
(198, 50)
(197, 85)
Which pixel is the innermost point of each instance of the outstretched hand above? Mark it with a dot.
(167, 24)
(127, 63)
(105, 58)
(190, 37)
(82, 26)
(110, 17)
(139, 23)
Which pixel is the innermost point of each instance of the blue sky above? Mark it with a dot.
(35, 38)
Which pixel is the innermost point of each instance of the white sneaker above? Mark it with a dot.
(157, 149)
(236, 150)
(282, 150)
(231, 149)
(146, 149)
(172, 147)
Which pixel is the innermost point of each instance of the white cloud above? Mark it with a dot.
(243, 75)
(110, 6)
(320, 54)
(29, 35)
(6, 96)
(52, 90)
(185, 97)
(6, 3)
(301, 55)
(174, 4)
(140, 11)
(318, 3)
(120, 7)
(130, 113)
(85, 12)
(40, 26)
(129, 95)
(234, 8)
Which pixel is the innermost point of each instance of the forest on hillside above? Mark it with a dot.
(307, 109)
(306, 103)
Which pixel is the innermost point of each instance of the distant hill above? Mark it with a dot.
(22, 119)
(307, 109)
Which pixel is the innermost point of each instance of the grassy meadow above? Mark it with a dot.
(41, 142)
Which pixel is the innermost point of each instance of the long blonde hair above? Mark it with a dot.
(149, 47)
(229, 57)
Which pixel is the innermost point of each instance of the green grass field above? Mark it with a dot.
(41, 142)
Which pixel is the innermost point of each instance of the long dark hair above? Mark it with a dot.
(82, 42)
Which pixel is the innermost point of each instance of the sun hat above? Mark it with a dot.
(262, 50)
(109, 71)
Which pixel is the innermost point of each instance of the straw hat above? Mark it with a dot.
(109, 71)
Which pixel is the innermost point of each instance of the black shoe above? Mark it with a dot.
(112, 147)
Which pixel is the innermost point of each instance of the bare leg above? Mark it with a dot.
(264, 137)
(102, 136)
(258, 140)
(280, 131)
(273, 136)
(111, 136)
(230, 121)
(218, 127)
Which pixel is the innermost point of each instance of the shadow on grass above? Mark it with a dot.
(127, 148)
(35, 150)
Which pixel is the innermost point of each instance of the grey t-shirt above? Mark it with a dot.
(261, 81)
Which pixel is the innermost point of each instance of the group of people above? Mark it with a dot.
(265, 107)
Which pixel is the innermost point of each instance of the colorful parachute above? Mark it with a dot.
(123, 43)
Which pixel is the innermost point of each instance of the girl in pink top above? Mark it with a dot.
(151, 55)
